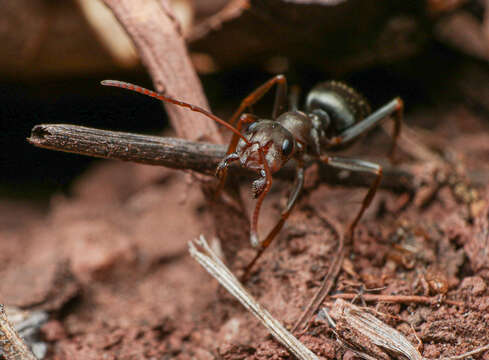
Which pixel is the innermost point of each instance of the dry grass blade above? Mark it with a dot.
(370, 338)
(368, 335)
(200, 251)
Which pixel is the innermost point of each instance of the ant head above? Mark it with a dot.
(277, 143)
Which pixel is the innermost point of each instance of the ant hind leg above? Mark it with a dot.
(395, 107)
(357, 165)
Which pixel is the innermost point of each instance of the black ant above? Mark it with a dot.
(335, 116)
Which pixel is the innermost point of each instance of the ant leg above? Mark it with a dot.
(298, 185)
(357, 165)
(223, 165)
(294, 98)
(258, 93)
(262, 186)
(396, 107)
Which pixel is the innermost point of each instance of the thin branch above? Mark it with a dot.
(467, 354)
(214, 266)
(156, 34)
(181, 154)
(402, 299)
(152, 150)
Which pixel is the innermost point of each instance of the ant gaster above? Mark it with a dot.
(335, 115)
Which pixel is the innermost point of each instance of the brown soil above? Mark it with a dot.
(112, 267)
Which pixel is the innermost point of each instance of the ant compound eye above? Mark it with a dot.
(252, 127)
(287, 147)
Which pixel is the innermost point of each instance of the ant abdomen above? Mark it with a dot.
(337, 105)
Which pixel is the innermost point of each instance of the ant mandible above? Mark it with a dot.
(335, 115)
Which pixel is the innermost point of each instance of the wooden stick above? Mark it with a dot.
(401, 299)
(152, 150)
(157, 36)
(180, 154)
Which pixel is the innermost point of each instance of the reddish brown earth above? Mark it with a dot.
(111, 265)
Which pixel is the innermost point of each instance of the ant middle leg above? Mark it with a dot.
(262, 246)
(395, 107)
(357, 165)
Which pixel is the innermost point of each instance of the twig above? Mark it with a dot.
(153, 150)
(326, 284)
(467, 354)
(217, 269)
(11, 344)
(402, 299)
(180, 154)
(152, 27)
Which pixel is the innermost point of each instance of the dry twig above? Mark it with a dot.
(400, 299)
(11, 344)
(180, 154)
(160, 44)
(468, 353)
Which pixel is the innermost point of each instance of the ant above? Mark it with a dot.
(335, 116)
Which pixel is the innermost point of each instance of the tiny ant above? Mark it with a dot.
(335, 116)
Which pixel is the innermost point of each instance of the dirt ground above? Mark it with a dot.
(110, 263)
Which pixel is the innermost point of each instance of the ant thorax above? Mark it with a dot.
(303, 128)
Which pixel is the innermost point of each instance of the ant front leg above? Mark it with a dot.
(255, 96)
(298, 185)
(357, 165)
(231, 156)
(395, 106)
(280, 97)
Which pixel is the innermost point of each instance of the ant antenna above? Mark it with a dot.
(154, 94)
